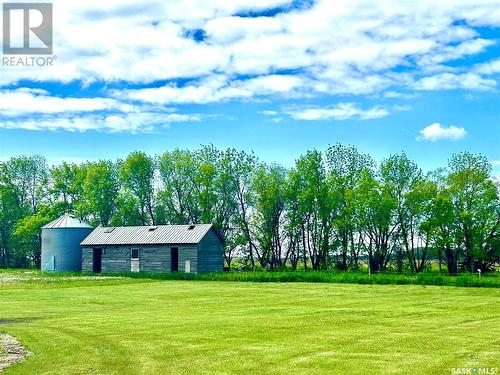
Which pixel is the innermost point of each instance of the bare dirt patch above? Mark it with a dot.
(11, 351)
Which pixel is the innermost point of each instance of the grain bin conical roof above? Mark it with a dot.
(67, 221)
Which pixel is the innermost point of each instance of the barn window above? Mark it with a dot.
(134, 254)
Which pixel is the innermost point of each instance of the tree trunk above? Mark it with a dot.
(304, 253)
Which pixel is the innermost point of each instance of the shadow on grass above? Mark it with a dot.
(6, 322)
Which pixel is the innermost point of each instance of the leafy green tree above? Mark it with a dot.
(100, 190)
(420, 202)
(239, 171)
(206, 183)
(295, 219)
(378, 209)
(316, 206)
(28, 235)
(346, 166)
(27, 177)
(269, 184)
(67, 182)
(127, 211)
(476, 210)
(228, 205)
(404, 182)
(442, 224)
(10, 214)
(137, 174)
(23, 190)
(178, 193)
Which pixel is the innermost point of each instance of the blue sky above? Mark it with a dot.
(277, 77)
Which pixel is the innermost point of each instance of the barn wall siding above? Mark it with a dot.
(188, 253)
(87, 254)
(210, 253)
(155, 259)
(116, 259)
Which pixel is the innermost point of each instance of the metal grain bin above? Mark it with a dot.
(61, 250)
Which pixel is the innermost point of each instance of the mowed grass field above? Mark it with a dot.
(133, 326)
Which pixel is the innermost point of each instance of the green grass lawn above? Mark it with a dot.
(134, 326)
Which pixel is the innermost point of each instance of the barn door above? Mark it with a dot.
(97, 260)
(174, 259)
(50, 264)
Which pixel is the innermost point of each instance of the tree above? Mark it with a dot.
(295, 219)
(177, 171)
(268, 185)
(137, 174)
(27, 177)
(206, 183)
(100, 191)
(316, 207)
(442, 224)
(10, 214)
(67, 187)
(377, 211)
(420, 208)
(227, 203)
(404, 182)
(239, 171)
(23, 190)
(476, 210)
(346, 167)
(127, 210)
(28, 235)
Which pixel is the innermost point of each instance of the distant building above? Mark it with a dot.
(61, 250)
(195, 248)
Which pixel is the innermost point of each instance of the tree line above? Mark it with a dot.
(334, 209)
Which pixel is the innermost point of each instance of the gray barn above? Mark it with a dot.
(164, 248)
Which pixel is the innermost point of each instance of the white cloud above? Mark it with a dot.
(341, 111)
(450, 81)
(402, 108)
(113, 123)
(35, 109)
(215, 89)
(386, 48)
(277, 119)
(25, 101)
(398, 95)
(453, 52)
(490, 67)
(273, 116)
(268, 113)
(350, 47)
(436, 132)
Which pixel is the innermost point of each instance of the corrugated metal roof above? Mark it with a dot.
(67, 221)
(158, 235)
